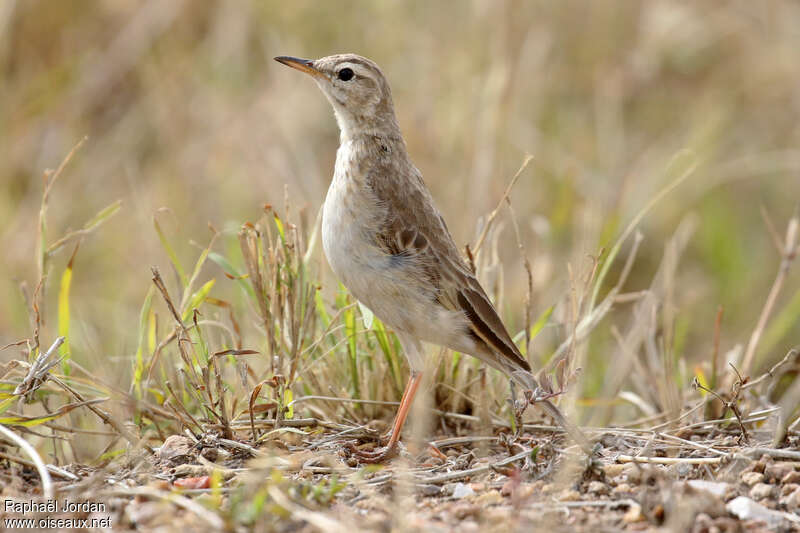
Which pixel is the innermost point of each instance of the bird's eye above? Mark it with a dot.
(345, 74)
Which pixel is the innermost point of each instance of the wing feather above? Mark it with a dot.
(414, 228)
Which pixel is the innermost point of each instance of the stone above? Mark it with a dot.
(633, 514)
(569, 495)
(716, 488)
(746, 509)
(761, 491)
(776, 471)
(622, 488)
(752, 478)
(598, 488)
(680, 470)
(492, 497)
(175, 446)
(460, 490)
(791, 477)
(464, 510)
(613, 470)
(791, 501)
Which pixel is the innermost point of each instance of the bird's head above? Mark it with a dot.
(357, 90)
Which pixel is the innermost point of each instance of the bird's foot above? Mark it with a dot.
(378, 455)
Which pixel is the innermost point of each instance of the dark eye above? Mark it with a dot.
(346, 74)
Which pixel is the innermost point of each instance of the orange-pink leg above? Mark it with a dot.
(399, 420)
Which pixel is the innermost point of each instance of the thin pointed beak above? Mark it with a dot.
(303, 65)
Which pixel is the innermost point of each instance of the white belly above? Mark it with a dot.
(350, 219)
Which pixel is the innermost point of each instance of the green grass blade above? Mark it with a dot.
(103, 215)
(231, 272)
(320, 309)
(63, 313)
(684, 156)
(537, 326)
(7, 403)
(198, 266)
(144, 318)
(32, 421)
(350, 332)
(198, 298)
(379, 330)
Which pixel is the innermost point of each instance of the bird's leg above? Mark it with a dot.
(389, 450)
(388, 435)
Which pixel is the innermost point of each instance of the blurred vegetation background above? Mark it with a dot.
(190, 121)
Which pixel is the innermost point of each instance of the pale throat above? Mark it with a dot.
(351, 126)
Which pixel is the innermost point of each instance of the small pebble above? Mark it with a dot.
(777, 471)
(622, 488)
(791, 501)
(716, 488)
(613, 470)
(492, 497)
(791, 477)
(761, 491)
(761, 464)
(461, 490)
(464, 510)
(752, 478)
(633, 514)
(597, 487)
(430, 490)
(789, 488)
(569, 495)
(680, 469)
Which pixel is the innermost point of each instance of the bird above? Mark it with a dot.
(389, 245)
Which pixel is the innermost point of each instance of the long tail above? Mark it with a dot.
(526, 379)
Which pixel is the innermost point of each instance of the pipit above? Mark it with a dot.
(389, 245)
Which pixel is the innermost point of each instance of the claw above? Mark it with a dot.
(371, 456)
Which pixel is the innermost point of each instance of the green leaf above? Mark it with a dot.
(321, 311)
(288, 398)
(379, 330)
(540, 322)
(63, 313)
(198, 266)
(144, 319)
(279, 225)
(103, 215)
(350, 332)
(198, 298)
(227, 267)
(31, 421)
(7, 403)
